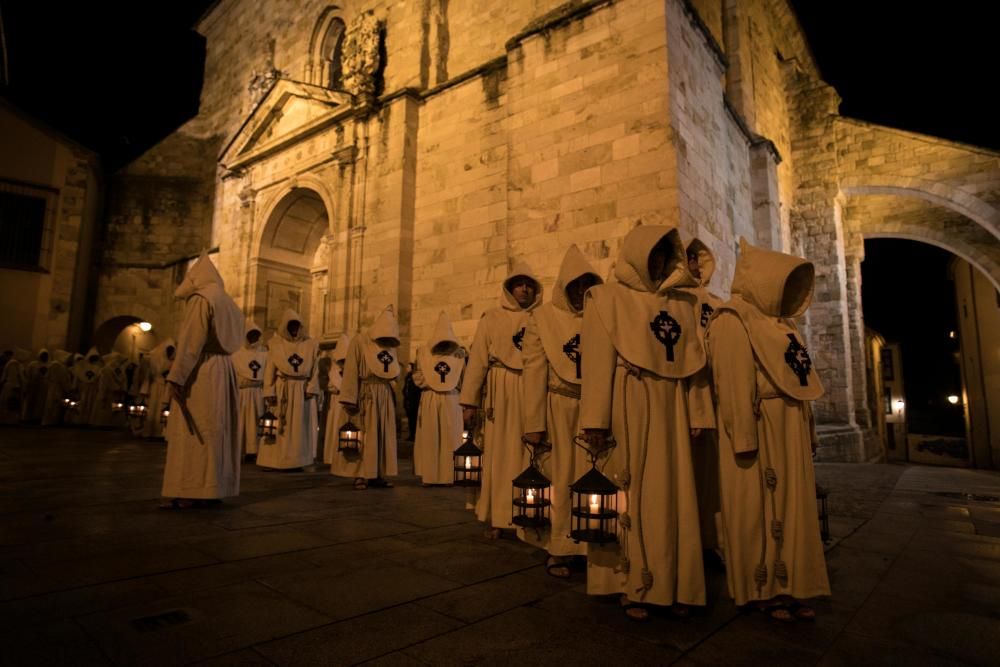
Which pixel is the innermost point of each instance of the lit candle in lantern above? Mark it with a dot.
(468, 462)
(530, 500)
(595, 508)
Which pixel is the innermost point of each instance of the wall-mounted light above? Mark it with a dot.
(145, 326)
(952, 334)
(953, 399)
(899, 404)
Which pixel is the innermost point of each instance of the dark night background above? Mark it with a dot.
(118, 76)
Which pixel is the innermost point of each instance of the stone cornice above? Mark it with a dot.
(713, 45)
(156, 265)
(753, 139)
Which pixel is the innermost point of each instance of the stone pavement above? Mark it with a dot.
(302, 570)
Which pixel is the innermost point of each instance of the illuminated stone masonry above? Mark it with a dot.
(406, 153)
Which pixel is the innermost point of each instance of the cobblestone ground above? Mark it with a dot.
(301, 569)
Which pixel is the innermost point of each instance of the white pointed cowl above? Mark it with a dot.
(552, 376)
(250, 362)
(87, 373)
(440, 364)
(211, 329)
(291, 383)
(110, 386)
(764, 381)
(35, 381)
(334, 415)
(59, 383)
(371, 367)
(640, 347)
(493, 381)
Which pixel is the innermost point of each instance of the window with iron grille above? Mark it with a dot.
(27, 221)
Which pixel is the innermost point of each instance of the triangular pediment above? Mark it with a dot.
(289, 112)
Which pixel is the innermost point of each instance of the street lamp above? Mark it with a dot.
(145, 327)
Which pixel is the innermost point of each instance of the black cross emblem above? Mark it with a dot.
(90, 375)
(797, 358)
(254, 366)
(666, 330)
(442, 368)
(386, 359)
(572, 350)
(518, 337)
(706, 314)
(295, 360)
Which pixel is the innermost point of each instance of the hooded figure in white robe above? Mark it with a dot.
(12, 386)
(493, 382)
(140, 376)
(641, 347)
(203, 456)
(705, 447)
(764, 385)
(367, 397)
(552, 376)
(154, 390)
(440, 364)
(250, 362)
(58, 386)
(111, 383)
(334, 416)
(87, 372)
(291, 388)
(35, 387)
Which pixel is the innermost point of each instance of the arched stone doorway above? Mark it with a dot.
(122, 334)
(291, 267)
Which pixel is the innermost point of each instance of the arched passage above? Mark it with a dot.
(291, 265)
(122, 334)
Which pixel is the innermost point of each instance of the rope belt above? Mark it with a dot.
(251, 384)
(491, 388)
(563, 389)
(282, 395)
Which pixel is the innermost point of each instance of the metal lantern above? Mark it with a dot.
(351, 438)
(164, 414)
(468, 463)
(824, 513)
(118, 407)
(267, 426)
(594, 502)
(137, 414)
(532, 491)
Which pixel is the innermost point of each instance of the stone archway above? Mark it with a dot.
(291, 262)
(122, 334)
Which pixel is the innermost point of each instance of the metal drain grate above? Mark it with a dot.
(966, 496)
(160, 621)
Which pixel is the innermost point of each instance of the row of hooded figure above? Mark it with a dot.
(61, 388)
(698, 411)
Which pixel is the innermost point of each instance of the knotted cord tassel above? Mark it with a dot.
(489, 413)
(760, 575)
(771, 478)
(777, 529)
(626, 479)
(625, 521)
(647, 580)
(624, 565)
(780, 571)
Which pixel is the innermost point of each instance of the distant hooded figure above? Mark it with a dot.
(641, 347)
(203, 456)
(35, 387)
(334, 416)
(12, 385)
(764, 384)
(552, 377)
(367, 397)
(291, 387)
(140, 375)
(705, 448)
(154, 390)
(87, 372)
(493, 381)
(440, 363)
(110, 386)
(58, 385)
(250, 362)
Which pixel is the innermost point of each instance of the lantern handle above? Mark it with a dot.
(594, 454)
(536, 449)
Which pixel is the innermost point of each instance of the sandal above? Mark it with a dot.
(778, 611)
(177, 504)
(360, 484)
(557, 568)
(630, 608)
(801, 611)
(494, 533)
(679, 610)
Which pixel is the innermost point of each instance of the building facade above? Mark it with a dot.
(367, 153)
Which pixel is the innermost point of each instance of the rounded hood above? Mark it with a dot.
(777, 284)
(252, 326)
(507, 299)
(228, 322)
(632, 265)
(704, 258)
(574, 265)
(291, 316)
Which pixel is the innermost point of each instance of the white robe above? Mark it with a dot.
(59, 384)
(295, 443)
(250, 364)
(333, 415)
(36, 386)
(373, 395)
(11, 392)
(439, 421)
(210, 330)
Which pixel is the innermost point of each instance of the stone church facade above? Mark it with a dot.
(376, 152)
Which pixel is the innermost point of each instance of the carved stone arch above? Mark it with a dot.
(323, 67)
(280, 196)
(935, 192)
(957, 247)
